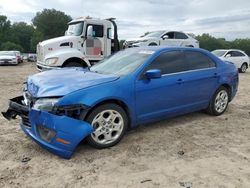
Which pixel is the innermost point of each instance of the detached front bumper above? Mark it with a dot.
(58, 134)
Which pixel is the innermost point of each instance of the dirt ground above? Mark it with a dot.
(194, 150)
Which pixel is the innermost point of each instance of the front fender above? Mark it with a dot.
(65, 54)
(68, 132)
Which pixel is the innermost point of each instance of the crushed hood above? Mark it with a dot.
(64, 81)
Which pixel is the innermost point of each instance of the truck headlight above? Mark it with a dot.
(45, 104)
(51, 61)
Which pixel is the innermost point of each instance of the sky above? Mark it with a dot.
(220, 18)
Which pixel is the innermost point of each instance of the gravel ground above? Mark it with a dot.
(194, 150)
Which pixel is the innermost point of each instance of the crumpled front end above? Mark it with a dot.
(58, 134)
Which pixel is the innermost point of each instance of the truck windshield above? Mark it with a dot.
(75, 29)
(122, 63)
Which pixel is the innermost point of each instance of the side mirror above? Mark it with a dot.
(228, 55)
(66, 32)
(153, 74)
(90, 31)
(165, 37)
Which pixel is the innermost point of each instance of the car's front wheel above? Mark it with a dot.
(110, 122)
(219, 102)
(243, 68)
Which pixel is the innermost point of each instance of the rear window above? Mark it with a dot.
(180, 35)
(197, 60)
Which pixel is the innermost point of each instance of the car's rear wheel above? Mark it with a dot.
(110, 122)
(219, 102)
(243, 68)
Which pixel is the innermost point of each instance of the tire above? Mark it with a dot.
(73, 64)
(219, 102)
(152, 44)
(243, 68)
(190, 46)
(108, 131)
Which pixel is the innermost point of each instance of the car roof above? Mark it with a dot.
(229, 50)
(160, 49)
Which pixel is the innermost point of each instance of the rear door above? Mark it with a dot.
(200, 80)
(181, 39)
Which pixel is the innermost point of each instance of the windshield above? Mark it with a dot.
(122, 63)
(219, 53)
(75, 29)
(7, 53)
(154, 34)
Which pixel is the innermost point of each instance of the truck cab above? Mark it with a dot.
(86, 41)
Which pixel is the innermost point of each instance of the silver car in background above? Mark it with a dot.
(8, 58)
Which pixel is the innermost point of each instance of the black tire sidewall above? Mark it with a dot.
(99, 109)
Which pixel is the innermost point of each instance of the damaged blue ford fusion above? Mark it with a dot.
(60, 108)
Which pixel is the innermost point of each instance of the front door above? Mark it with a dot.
(168, 39)
(95, 44)
(162, 96)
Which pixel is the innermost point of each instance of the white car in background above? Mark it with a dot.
(163, 38)
(8, 58)
(238, 57)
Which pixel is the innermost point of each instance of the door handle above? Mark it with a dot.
(179, 81)
(215, 75)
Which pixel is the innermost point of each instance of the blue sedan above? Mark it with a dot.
(60, 108)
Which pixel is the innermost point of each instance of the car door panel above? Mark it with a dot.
(156, 97)
(200, 86)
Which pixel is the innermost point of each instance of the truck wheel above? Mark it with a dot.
(110, 122)
(73, 64)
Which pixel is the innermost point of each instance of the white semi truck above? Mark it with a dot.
(86, 41)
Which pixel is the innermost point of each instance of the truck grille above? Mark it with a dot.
(39, 51)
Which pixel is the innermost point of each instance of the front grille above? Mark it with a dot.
(5, 59)
(26, 121)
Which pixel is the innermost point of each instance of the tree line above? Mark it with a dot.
(51, 23)
(24, 37)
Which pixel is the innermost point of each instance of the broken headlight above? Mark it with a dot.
(45, 104)
(46, 133)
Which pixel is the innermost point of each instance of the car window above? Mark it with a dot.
(97, 30)
(169, 62)
(197, 60)
(169, 34)
(180, 35)
(236, 54)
